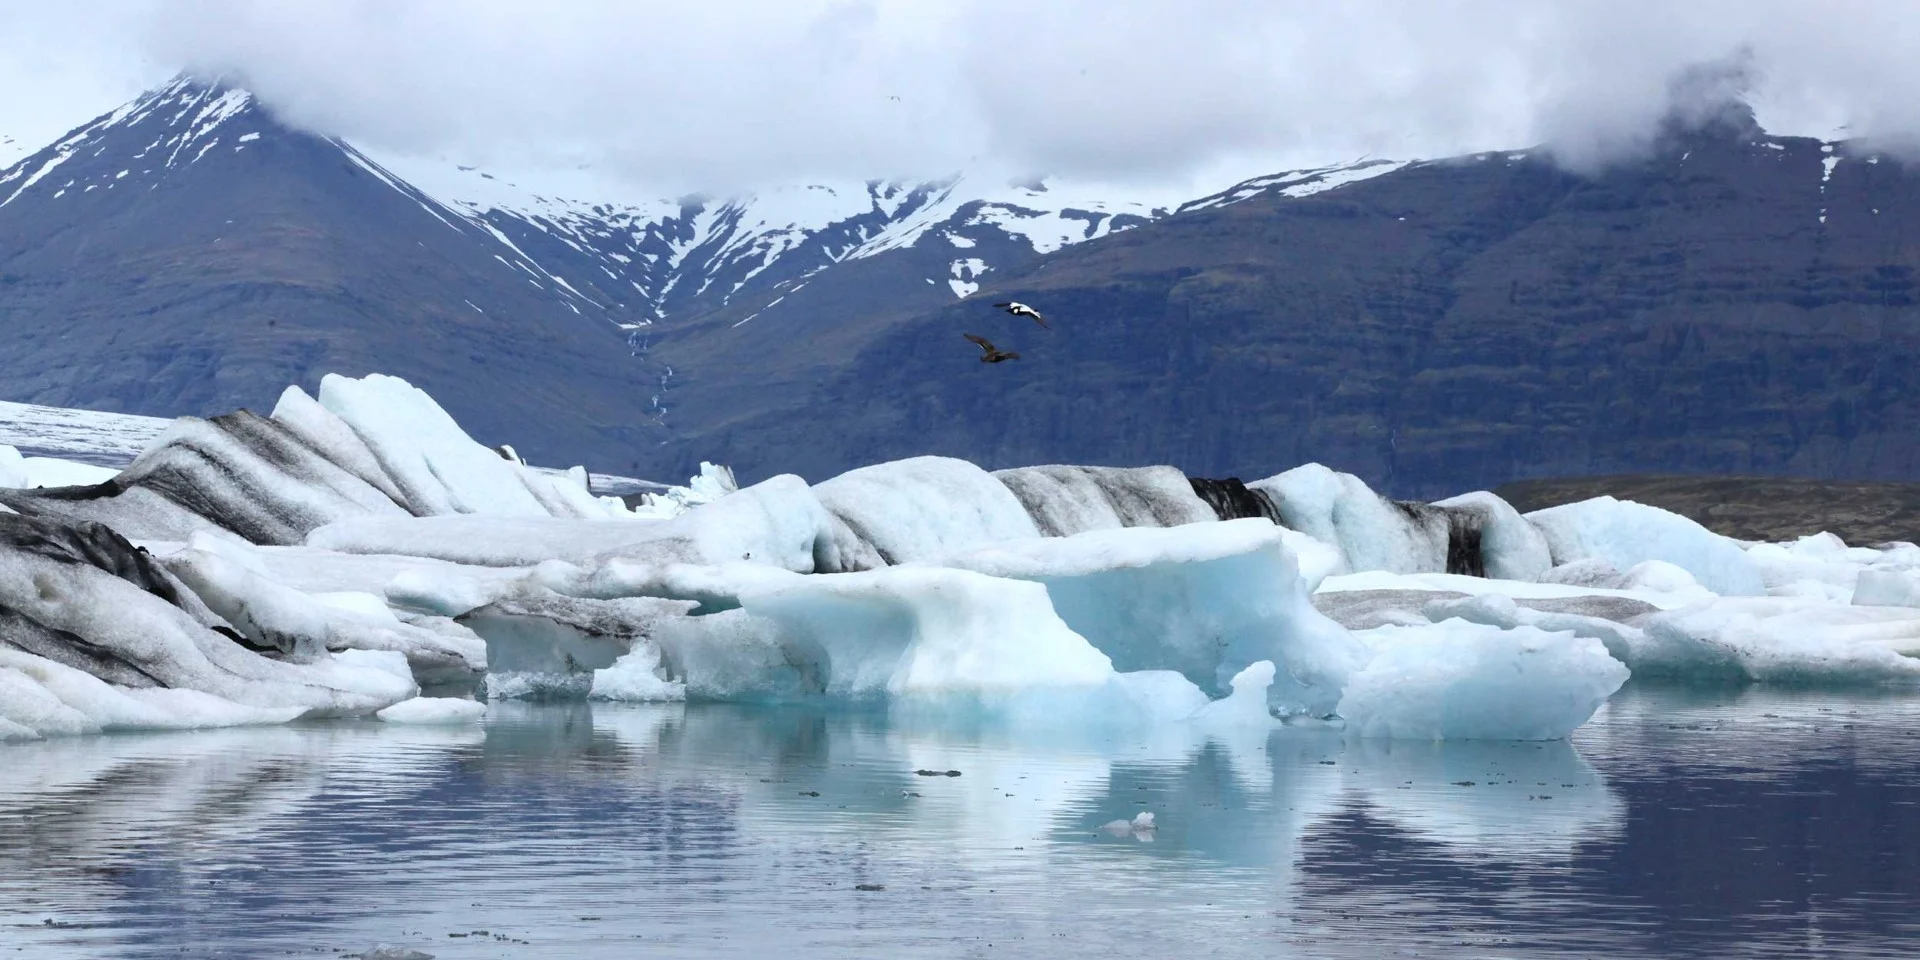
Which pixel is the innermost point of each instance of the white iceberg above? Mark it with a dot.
(1625, 533)
(1205, 600)
(1457, 680)
(433, 710)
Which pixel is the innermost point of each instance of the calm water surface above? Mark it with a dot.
(1726, 824)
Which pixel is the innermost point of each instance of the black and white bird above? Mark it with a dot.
(1019, 309)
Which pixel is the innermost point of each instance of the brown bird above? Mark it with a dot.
(991, 354)
(1019, 309)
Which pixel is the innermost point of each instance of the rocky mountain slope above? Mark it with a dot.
(1735, 302)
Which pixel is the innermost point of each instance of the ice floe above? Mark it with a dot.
(353, 549)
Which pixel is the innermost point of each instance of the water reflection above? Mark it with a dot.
(1677, 823)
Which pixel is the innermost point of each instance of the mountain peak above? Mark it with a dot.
(172, 125)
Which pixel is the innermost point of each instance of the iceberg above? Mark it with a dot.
(1064, 500)
(1787, 640)
(433, 710)
(1204, 600)
(89, 621)
(1624, 533)
(29, 472)
(1464, 535)
(914, 509)
(778, 522)
(1456, 680)
(334, 558)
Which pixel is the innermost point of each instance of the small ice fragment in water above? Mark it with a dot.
(1140, 827)
(385, 952)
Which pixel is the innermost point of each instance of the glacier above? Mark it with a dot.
(356, 553)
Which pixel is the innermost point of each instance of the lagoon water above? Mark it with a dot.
(1749, 823)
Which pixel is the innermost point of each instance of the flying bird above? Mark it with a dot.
(1019, 309)
(991, 353)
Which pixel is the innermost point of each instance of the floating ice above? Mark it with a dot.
(1625, 533)
(1788, 640)
(1065, 500)
(237, 588)
(1510, 547)
(1374, 533)
(1466, 681)
(26, 472)
(928, 632)
(433, 710)
(712, 483)
(1205, 600)
(777, 522)
(919, 508)
(636, 678)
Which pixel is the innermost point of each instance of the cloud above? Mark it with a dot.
(720, 94)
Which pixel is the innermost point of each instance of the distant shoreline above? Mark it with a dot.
(1860, 512)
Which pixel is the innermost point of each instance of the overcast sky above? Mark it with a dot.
(728, 94)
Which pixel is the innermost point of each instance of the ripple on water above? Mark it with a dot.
(1757, 823)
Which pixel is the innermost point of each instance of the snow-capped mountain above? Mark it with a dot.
(188, 253)
(683, 257)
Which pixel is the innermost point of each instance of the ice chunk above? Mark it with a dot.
(736, 656)
(29, 706)
(1245, 707)
(102, 706)
(13, 468)
(435, 464)
(288, 620)
(238, 472)
(326, 433)
(1140, 827)
(1205, 600)
(1510, 547)
(1446, 582)
(1886, 588)
(1624, 533)
(433, 710)
(28, 472)
(1316, 559)
(919, 508)
(1466, 681)
(636, 678)
(1625, 643)
(1374, 533)
(567, 635)
(1065, 500)
(1788, 640)
(924, 631)
(777, 522)
(438, 469)
(710, 484)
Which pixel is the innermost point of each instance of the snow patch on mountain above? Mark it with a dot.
(1298, 183)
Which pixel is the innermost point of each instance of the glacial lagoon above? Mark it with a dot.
(1711, 823)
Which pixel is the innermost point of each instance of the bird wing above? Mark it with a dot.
(1037, 318)
(982, 341)
(1003, 306)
